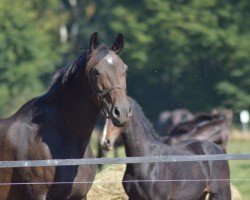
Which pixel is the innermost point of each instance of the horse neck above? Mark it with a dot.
(77, 110)
(137, 138)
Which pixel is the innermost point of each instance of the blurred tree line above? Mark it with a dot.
(181, 54)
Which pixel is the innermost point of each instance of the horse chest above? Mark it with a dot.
(79, 180)
(60, 180)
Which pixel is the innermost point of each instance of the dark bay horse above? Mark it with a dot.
(140, 140)
(212, 127)
(58, 125)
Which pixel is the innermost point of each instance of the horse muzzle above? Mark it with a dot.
(120, 114)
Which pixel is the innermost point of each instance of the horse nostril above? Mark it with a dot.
(129, 112)
(117, 112)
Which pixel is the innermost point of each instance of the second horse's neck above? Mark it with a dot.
(139, 141)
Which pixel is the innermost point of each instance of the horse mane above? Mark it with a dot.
(201, 120)
(66, 73)
(137, 110)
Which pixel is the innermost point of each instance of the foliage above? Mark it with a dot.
(27, 52)
(184, 53)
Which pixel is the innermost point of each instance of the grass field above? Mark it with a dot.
(238, 143)
(240, 169)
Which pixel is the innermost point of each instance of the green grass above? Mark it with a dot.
(240, 169)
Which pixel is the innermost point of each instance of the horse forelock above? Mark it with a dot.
(68, 72)
(96, 56)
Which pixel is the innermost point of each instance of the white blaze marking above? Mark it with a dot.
(104, 134)
(43, 197)
(109, 59)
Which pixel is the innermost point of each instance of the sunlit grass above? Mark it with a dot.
(240, 169)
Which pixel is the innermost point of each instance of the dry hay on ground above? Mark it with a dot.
(235, 193)
(113, 190)
(108, 191)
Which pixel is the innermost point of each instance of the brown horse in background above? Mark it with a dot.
(58, 125)
(169, 180)
(212, 127)
(169, 119)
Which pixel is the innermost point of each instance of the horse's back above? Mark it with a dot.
(197, 146)
(15, 129)
(18, 142)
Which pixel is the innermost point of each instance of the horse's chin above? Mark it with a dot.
(105, 144)
(118, 123)
(107, 148)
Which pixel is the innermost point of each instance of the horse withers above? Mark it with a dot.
(174, 180)
(58, 125)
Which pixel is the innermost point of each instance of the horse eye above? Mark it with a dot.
(95, 72)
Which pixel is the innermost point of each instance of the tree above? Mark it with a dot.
(184, 53)
(28, 52)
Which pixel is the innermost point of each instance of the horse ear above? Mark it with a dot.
(94, 41)
(118, 44)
